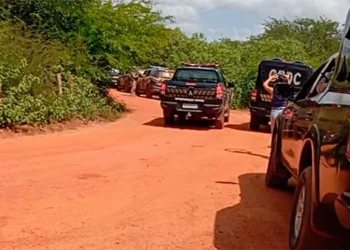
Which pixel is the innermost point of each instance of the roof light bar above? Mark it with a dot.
(201, 65)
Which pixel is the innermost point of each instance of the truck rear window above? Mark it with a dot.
(196, 75)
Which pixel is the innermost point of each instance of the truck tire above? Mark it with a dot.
(137, 91)
(168, 119)
(181, 118)
(273, 179)
(301, 235)
(149, 94)
(254, 123)
(220, 122)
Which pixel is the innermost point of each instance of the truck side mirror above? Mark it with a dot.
(284, 91)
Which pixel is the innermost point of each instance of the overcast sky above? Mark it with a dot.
(238, 19)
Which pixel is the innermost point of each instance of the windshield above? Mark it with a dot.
(341, 77)
(197, 75)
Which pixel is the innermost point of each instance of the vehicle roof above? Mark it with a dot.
(200, 68)
(278, 61)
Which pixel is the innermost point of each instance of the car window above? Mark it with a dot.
(154, 72)
(307, 87)
(341, 77)
(323, 80)
(198, 75)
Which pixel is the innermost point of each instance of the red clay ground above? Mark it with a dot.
(135, 185)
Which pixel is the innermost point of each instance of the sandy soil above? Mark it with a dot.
(136, 185)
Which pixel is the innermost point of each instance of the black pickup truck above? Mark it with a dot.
(197, 91)
(311, 143)
(260, 101)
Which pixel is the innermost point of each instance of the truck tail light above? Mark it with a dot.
(219, 91)
(163, 88)
(254, 94)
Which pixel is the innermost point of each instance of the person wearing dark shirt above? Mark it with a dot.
(277, 104)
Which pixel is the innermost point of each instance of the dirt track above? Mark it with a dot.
(135, 185)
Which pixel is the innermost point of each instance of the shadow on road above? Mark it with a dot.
(242, 151)
(154, 98)
(259, 221)
(245, 127)
(185, 125)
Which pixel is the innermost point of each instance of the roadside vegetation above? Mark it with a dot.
(56, 55)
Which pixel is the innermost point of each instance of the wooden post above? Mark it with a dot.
(1, 91)
(59, 82)
(71, 83)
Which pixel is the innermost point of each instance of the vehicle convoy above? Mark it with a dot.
(197, 91)
(311, 142)
(124, 82)
(115, 73)
(260, 100)
(150, 82)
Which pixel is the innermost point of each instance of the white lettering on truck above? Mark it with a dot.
(293, 78)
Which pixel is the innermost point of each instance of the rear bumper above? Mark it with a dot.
(203, 110)
(342, 209)
(258, 111)
(155, 90)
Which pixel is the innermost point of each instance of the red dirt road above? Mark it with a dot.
(136, 185)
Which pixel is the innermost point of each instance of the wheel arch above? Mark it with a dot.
(310, 156)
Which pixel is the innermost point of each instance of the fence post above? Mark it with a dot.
(59, 82)
(71, 83)
(1, 96)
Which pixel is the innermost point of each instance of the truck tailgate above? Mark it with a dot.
(202, 91)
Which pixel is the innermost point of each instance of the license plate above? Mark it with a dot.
(190, 106)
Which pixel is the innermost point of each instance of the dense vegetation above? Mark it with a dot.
(84, 39)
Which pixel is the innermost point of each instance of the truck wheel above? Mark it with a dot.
(220, 122)
(301, 235)
(148, 92)
(182, 118)
(227, 117)
(254, 123)
(272, 178)
(168, 119)
(137, 92)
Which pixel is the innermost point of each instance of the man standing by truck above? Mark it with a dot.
(277, 105)
(260, 100)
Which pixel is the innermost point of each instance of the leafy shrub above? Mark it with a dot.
(84, 102)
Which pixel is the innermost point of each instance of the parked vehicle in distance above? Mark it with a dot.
(115, 73)
(197, 91)
(150, 82)
(311, 142)
(124, 82)
(260, 100)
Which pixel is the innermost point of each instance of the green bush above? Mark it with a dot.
(84, 102)
(28, 66)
